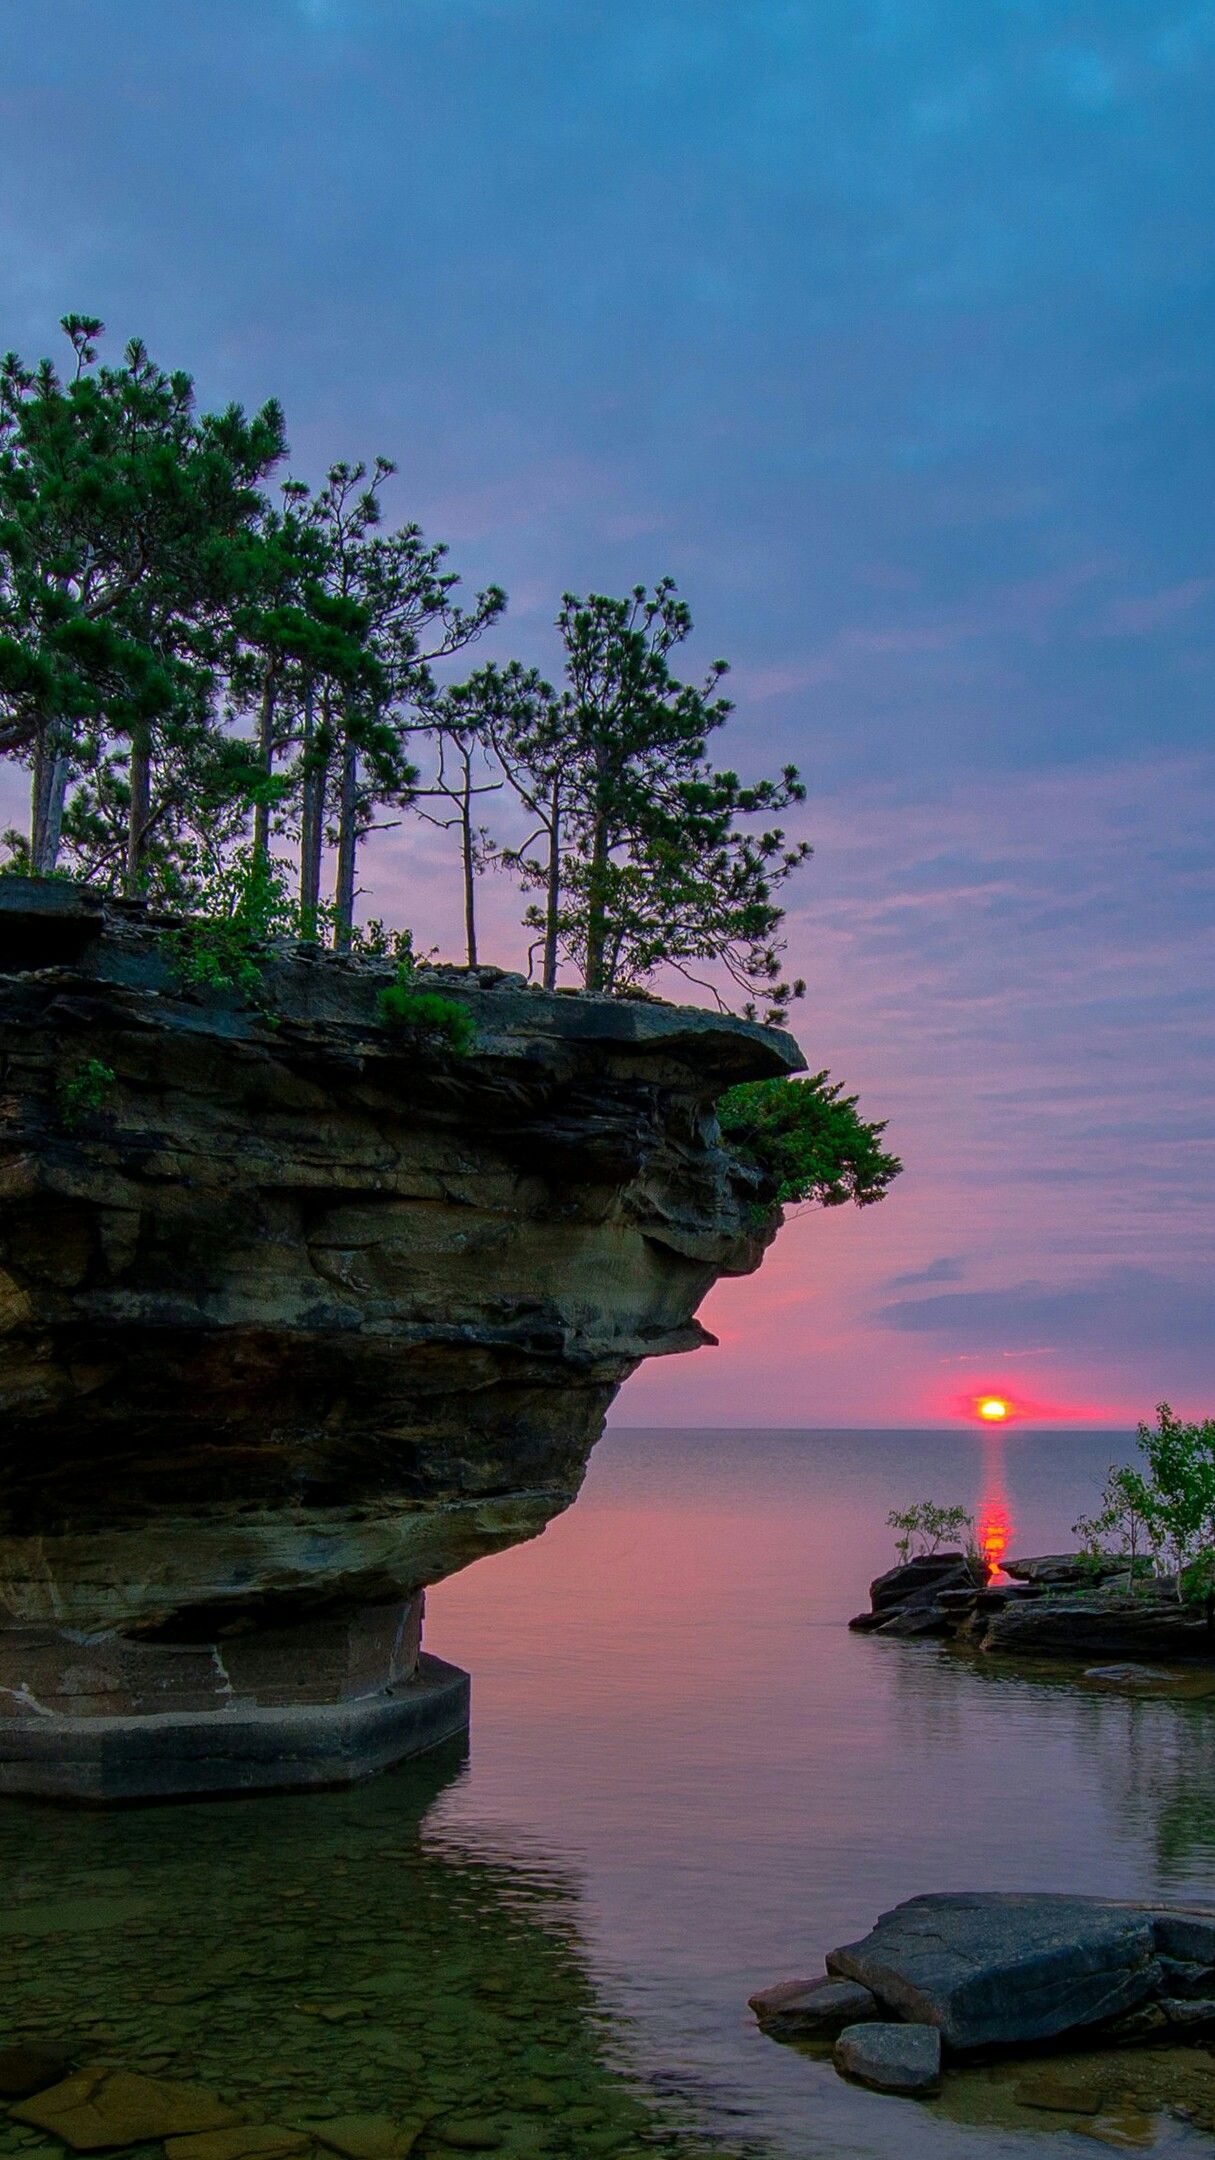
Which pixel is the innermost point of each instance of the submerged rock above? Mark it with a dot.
(98, 2109)
(812, 2009)
(1060, 2096)
(364, 2137)
(250, 2141)
(29, 2068)
(891, 2058)
(1136, 1679)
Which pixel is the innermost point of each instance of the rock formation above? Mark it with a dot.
(1070, 1605)
(976, 1974)
(299, 1313)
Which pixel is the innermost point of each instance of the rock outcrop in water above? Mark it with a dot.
(1068, 1605)
(299, 1314)
(975, 1974)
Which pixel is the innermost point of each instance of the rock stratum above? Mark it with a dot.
(301, 1312)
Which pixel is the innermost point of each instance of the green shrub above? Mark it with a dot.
(806, 1137)
(225, 945)
(924, 1525)
(425, 1012)
(82, 1092)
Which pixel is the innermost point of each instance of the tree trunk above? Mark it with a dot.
(552, 901)
(470, 870)
(47, 793)
(312, 822)
(56, 797)
(139, 811)
(265, 751)
(348, 841)
(39, 800)
(596, 908)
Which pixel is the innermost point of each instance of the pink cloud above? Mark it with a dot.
(1138, 617)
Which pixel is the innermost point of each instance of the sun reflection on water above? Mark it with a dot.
(994, 1526)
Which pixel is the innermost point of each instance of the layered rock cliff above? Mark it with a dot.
(302, 1312)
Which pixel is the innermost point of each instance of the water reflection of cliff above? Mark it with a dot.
(320, 1953)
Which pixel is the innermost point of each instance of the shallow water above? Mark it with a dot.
(686, 1779)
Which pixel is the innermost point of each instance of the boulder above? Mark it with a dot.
(812, 2009)
(1103, 1623)
(891, 2058)
(1058, 1570)
(1006, 1970)
(97, 2109)
(930, 1572)
(1186, 1943)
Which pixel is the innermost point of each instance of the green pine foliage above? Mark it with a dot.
(809, 1141)
(426, 1013)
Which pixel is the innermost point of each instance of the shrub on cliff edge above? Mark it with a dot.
(425, 1012)
(806, 1136)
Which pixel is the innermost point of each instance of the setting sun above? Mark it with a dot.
(992, 1407)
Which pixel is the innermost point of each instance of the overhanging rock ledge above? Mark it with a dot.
(298, 1315)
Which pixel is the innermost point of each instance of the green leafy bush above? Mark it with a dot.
(83, 1090)
(1168, 1504)
(225, 944)
(925, 1525)
(425, 1012)
(806, 1136)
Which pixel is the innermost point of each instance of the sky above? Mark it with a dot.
(886, 328)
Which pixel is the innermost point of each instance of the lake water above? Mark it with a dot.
(686, 1778)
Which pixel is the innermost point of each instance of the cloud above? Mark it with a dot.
(1127, 1309)
(946, 1269)
(1140, 615)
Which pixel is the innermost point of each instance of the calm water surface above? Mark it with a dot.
(686, 1779)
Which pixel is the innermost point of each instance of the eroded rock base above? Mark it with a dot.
(323, 1701)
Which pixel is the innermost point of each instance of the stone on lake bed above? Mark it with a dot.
(250, 2141)
(1057, 2095)
(891, 2058)
(363, 2137)
(1144, 1679)
(98, 2109)
(26, 2069)
(812, 2009)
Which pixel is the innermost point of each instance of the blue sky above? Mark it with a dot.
(886, 328)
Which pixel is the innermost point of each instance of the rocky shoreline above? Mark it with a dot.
(1065, 1605)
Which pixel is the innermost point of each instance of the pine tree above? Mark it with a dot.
(121, 516)
(651, 867)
